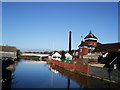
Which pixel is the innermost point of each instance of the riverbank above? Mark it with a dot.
(89, 82)
(90, 71)
(6, 74)
(29, 57)
(39, 74)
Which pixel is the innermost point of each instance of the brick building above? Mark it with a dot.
(88, 45)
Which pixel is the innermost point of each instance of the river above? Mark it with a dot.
(39, 74)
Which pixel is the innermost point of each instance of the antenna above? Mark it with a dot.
(81, 38)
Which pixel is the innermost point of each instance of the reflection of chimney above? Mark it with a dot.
(68, 84)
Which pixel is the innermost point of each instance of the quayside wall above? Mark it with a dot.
(105, 73)
(72, 67)
(96, 72)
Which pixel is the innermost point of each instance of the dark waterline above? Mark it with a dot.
(38, 74)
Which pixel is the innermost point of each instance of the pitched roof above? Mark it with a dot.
(107, 47)
(82, 44)
(56, 54)
(68, 55)
(90, 35)
(85, 44)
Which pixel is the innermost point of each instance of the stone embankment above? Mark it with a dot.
(90, 70)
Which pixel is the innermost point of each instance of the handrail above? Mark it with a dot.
(112, 60)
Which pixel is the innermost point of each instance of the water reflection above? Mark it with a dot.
(68, 83)
(6, 78)
(32, 61)
(83, 81)
(38, 74)
(7, 71)
(53, 70)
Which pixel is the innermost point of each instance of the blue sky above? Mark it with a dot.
(45, 25)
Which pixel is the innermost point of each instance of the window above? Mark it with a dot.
(80, 50)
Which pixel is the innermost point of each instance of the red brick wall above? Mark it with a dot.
(84, 52)
(75, 67)
(97, 52)
(79, 53)
(92, 43)
(79, 78)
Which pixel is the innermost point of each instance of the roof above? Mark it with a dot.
(82, 44)
(56, 54)
(85, 44)
(8, 48)
(90, 35)
(68, 55)
(107, 47)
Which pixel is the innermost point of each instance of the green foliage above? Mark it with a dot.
(62, 54)
(66, 60)
(29, 57)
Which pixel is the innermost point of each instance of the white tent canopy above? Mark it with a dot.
(68, 56)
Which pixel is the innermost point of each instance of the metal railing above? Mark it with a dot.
(113, 60)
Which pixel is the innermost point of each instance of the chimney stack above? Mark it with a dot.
(70, 42)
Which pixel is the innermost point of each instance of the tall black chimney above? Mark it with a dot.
(70, 42)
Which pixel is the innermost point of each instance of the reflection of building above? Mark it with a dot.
(80, 79)
(6, 79)
(7, 71)
(88, 45)
(11, 67)
(53, 70)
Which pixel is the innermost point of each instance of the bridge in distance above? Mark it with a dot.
(39, 55)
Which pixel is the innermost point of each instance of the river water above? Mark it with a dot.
(39, 74)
